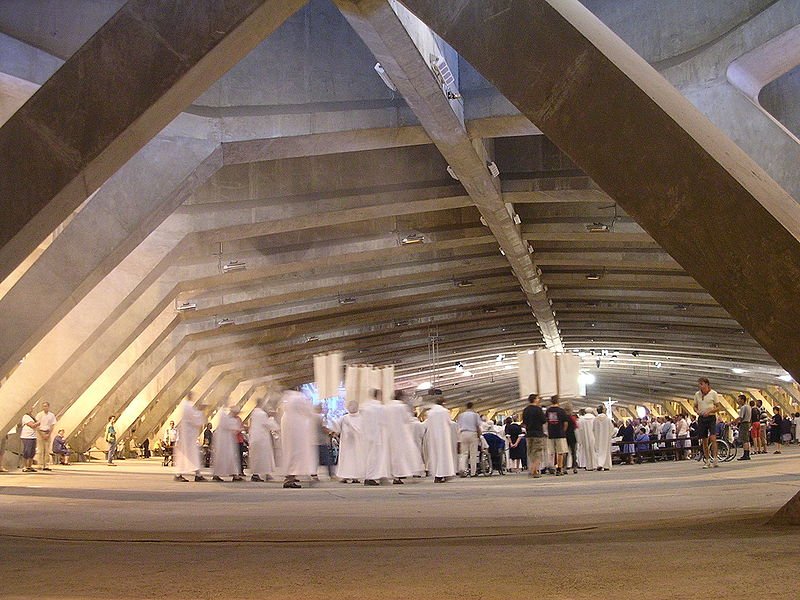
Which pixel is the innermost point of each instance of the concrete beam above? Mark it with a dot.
(386, 35)
(122, 87)
(668, 167)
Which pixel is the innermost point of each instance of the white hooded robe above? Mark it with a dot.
(351, 447)
(225, 448)
(439, 442)
(587, 453)
(298, 435)
(186, 452)
(376, 449)
(603, 433)
(261, 456)
(405, 459)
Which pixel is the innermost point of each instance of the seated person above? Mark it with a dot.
(642, 442)
(60, 448)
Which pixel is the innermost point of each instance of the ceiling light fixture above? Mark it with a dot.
(384, 77)
(346, 300)
(786, 377)
(224, 322)
(314, 338)
(185, 306)
(413, 237)
(424, 386)
(234, 265)
(597, 228)
(493, 168)
(452, 172)
(464, 283)
(738, 371)
(593, 276)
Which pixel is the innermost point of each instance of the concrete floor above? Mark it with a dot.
(132, 532)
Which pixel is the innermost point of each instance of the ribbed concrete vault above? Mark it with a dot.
(301, 163)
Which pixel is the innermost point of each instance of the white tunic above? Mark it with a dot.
(298, 435)
(587, 455)
(418, 433)
(186, 452)
(351, 447)
(225, 449)
(439, 442)
(261, 456)
(376, 449)
(603, 432)
(405, 459)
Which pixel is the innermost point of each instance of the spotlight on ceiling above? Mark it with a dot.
(459, 367)
(500, 358)
(593, 276)
(185, 306)
(657, 364)
(224, 322)
(451, 172)
(346, 300)
(786, 377)
(597, 228)
(313, 338)
(464, 283)
(234, 265)
(384, 77)
(493, 168)
(453, 95)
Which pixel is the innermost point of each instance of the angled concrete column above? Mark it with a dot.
(692, 189)
(384, 33)
(150, 60)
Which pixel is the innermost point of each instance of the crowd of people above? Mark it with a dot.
(379, 441)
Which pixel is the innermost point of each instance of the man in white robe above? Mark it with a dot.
(405, 460)
(603, 433)
(439, 441)
(351, 467)
(225, 447)
(376, 449)
(261, 456)
(298, 438)
(418, 433)
(587, 455)
(186, 452)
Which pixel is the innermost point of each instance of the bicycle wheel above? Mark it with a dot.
(723, 450)
(733, 450)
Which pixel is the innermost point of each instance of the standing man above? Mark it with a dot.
(438, 434)
(469, 434)
(745, 415)
(533, 418)
(260, 454)
(186, 452)
(557, 424)
(111, 440)
(27, 435)
(47, 423)
(764, 418)
(707, 405)
(603, 432)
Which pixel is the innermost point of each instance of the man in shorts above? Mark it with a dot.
(557, 423)
(707, 405)
(533, 418)
(744, 426)
(27, 435)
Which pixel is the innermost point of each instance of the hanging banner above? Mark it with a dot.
(526, 374)
(568, 371)
(546, 377)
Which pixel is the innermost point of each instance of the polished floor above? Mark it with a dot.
(132, 532)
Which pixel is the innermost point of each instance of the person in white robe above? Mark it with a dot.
(298, 438)
(261, 455)
(225, 447)
(603, 434)
(351, 467)
(418, 433)
(587, 455)
(454, 438)
(377, 464)
(405, 460)
(439, 441)
(186, 452)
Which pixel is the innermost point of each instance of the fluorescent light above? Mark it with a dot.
(384, 77)
(424, 386)
(463, 283)
(347, 300)
(517, 219)
(493, 169)
(786, 377)
(184, 306)
(503, 252)
(412, 238)
(224, 322)
(500, 358)
(597, 228)
(593, 276)
(451, 172)
(738, 371)
(234, 265)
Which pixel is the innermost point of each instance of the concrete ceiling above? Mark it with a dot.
(303, 165)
